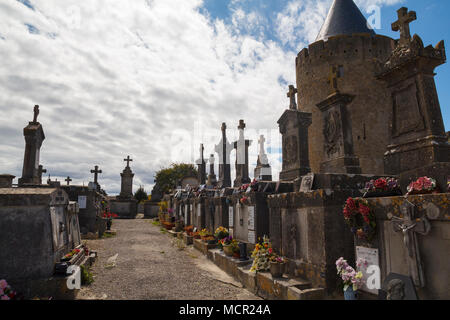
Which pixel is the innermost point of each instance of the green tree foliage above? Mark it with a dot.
(169, 178)
(141, 195)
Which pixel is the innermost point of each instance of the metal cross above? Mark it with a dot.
(96, 172)
(68, 180)
(291, 95)
(402, 24)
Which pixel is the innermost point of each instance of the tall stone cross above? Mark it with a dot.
(332, 79)
(402, 24)
(68, 180)
(128, 159)
(96, 172)
(36, 113)
(291, 94)
(41, 170)
(410, 226)
(261, 142)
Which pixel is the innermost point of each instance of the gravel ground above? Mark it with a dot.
(149, 266)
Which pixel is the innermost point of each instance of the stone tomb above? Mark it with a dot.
(89, 202)
(413, 240)
(124, 205)
(39, 227)
(216, 213)
(249, 221)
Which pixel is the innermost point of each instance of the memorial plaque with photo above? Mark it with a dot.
(370, 258)
(307, 183)
(252, 237)
(82, 202)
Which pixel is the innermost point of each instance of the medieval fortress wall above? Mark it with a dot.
(357, 57)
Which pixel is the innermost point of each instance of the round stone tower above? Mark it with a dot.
(348, 45)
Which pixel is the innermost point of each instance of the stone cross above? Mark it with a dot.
(261, 142)
(41, 170)
(68, 180)
(291, 95)
(402, 24)
(202, 149)
(36, 113)
(332, 79)
(409, 226)
(223, 149)
(96, 172)
(128, 159)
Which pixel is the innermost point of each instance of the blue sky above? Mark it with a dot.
(432, 25)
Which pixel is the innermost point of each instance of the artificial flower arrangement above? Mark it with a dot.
(423, 185)
(196, 235)
(6, 293)
(349, 276)
(189, 230)
(69, 256)
(382, 185)
(109, 215)
(360, 218)
(221, 233)
(262, 255)
(206, 235)
(244, 201)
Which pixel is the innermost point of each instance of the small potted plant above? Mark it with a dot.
(277, 265)
(227, 246)
(352, 280)
(221, 233)
(423, 185)
(109, 216)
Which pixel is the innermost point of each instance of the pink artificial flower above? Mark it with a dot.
(5, 297)
(3, 284)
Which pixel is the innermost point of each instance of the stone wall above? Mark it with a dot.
(370, 110)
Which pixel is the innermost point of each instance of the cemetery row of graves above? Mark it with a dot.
(357, 212)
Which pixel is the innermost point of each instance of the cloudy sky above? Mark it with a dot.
(154, 78)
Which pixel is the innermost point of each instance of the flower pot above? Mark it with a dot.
(236, 255)
(228, 249)
(108, 224)
(350, 294)
(277, 269)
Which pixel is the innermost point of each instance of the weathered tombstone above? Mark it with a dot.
(6, 180)
(263, 171)
(201, 163)
(125, 206)
(294, 130)
(212, 179)
(34, 136)
(338, 137)
(418, 141)
(224, 149)
(241, 146)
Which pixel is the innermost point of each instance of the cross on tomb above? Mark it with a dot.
(36, 113)
(261, 142)
(96, 172)
(402, 24)
(202, 149)
(291, 95)
(332, 79)
(41, 170)
(68, 180)
(128, 159)
(410, 226)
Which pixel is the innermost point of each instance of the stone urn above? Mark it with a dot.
(228, 249)
(277, 269)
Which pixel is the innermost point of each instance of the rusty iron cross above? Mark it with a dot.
(402, 24)
(332, 79)
(128, 159)
(96, 171)
(291, 95)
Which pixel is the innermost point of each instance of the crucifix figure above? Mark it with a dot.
(402, 24)
(36, 113)
(291, 94)
(332, 79)
(128, 159)
(68, 180)
(96, 172)
(410, 226)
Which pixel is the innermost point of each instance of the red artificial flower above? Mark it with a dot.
(364, 210)
(351, 204)
(381, 183)
(347, 213)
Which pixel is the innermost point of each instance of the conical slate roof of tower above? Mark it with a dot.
(344, 18)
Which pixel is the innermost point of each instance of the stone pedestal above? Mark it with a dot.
(294, 129)
(417, 137)
(126, 190)
(338, 140)
(34, 136)
(124, 208)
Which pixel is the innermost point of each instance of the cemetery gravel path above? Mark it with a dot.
(150, 267)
